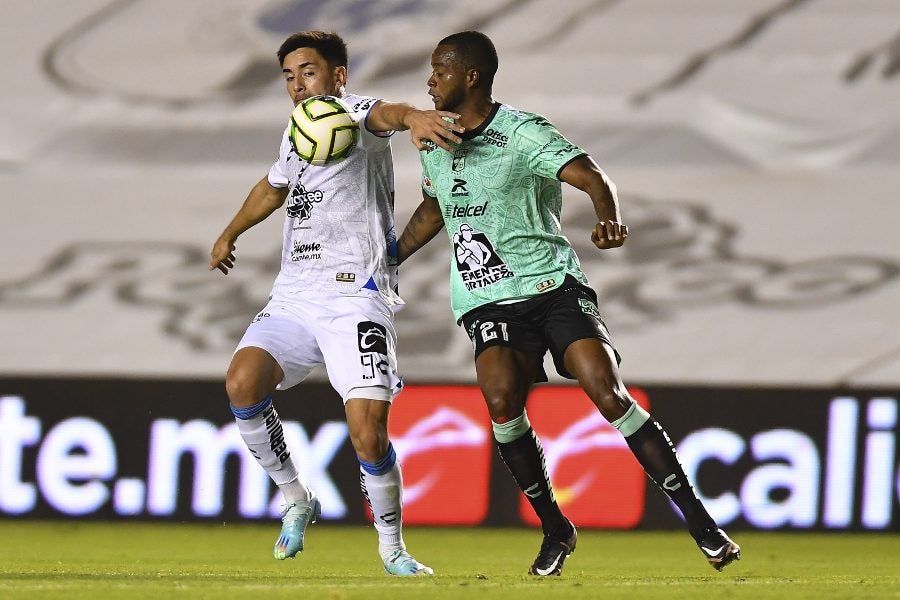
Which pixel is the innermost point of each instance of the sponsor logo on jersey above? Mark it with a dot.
(345, 277)
(459, 188)
(300, 202)
(259, 317)
(372, 337)
(363, 105)
(477, 262)
(306, 251)
(495, 138)
(472, 210)
(567, 149)
(459, 159)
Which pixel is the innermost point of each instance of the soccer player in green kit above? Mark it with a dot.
(518, 290)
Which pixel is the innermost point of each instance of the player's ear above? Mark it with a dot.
(473, 77)
(340, 76)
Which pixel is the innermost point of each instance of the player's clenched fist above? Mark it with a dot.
(609, 234)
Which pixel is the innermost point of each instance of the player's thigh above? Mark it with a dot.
(509, 352)
(505, 375)
(359, 343)
(572, 315)
(282, 331)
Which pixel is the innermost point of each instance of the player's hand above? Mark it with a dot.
(609, 234)
(222, 255)
(437, 126)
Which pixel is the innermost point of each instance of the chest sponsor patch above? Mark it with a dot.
(477, 262)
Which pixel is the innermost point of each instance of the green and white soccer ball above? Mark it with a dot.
(322, 130)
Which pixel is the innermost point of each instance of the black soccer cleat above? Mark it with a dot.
(718, 548)
(554, 551)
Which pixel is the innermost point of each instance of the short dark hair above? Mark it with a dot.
(329, 44)
(475, 51)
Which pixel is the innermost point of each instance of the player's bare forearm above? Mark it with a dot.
(584, 174)
(423, 125)
(261, 202)
(424, 224)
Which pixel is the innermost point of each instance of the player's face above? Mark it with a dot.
(446, 86)
(307, 74)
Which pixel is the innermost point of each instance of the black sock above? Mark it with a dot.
(524, 457)
(654, 450)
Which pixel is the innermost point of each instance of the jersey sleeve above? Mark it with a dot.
(546, 150)
(360, 108)
(278, 172)
(427, 185)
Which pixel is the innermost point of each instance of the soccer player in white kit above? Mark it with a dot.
(332, 302)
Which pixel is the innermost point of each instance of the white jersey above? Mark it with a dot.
(339, 231)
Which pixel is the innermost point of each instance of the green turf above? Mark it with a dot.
(141, 560)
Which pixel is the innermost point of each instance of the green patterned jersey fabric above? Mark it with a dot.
(500, 196)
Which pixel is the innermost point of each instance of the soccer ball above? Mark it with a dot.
(322, 130)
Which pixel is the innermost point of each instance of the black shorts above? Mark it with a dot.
(550, 321)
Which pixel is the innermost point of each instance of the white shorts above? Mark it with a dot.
(353, 336)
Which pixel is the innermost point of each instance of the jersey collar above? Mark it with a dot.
(468, 135)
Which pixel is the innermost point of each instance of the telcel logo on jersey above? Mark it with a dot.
(444, 441)
(595, 477)
(456, 211)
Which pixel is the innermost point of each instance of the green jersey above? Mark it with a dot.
(500, 195)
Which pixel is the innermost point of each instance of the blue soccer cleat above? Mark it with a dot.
(400, 563)
(295, 518)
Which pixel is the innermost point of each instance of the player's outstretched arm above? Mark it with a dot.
(424, 224)
(431, 125)
(261, 202)
(584, 174)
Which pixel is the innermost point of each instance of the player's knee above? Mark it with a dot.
(243, 387)
(370, 444)
(611, 402)
(503, 402)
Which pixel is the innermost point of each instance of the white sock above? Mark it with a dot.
(260, 428)
(382, 486)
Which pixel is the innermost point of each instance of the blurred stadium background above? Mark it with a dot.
(755, 146)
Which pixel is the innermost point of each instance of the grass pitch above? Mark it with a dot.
(143, 560)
